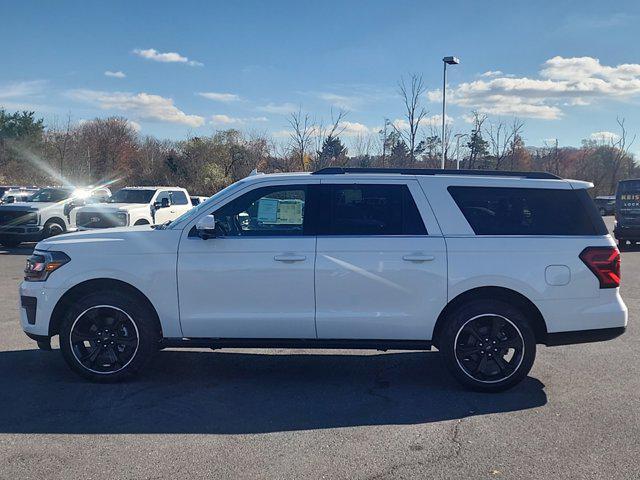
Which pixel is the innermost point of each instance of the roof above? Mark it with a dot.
(433, 171)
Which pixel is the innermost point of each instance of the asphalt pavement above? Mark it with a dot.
(296, 414)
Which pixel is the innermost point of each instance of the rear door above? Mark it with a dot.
(380, 262)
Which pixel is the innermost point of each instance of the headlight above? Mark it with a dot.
(42, 264)
(123, 218)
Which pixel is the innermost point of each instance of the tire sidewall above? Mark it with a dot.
(49, 224)
(147, 333)
(461, 315)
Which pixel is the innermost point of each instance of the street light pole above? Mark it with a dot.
(446, 61)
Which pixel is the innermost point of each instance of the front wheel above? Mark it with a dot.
(53, 228)
(108, 336)
(488, 345)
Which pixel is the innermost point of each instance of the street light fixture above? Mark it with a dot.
(446, 61)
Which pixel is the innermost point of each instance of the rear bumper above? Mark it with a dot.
(583, 336)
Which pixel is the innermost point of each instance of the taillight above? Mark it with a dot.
(604, 262)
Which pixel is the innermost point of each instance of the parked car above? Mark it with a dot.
(4, 188)
(606, 205)
(44, 214)
(627, 221)
(134, 206)
(482, 265)
(197, 200)
(14, 195)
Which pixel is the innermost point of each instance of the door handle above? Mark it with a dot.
(415, 257)
(289, 258)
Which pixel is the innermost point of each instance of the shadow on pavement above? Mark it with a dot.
(23, 249)
(231, 393)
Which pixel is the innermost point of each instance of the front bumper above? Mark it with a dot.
(22, 233)
(37, 323)
(627, 232)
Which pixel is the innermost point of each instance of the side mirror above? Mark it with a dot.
(206, 226)
(164, 203)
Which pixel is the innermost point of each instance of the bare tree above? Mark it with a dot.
(302, 131)
(60, 138)
(501, 139)
(621, 147)
(411, 93)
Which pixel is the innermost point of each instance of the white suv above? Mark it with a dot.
(481, 265)
(135, 206)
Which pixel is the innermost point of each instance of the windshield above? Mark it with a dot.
(132, 196)
(204, 205)
(50, 195)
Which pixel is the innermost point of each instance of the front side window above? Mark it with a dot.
(370, 209)
(267, 211)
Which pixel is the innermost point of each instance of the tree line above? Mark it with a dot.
(110, 150)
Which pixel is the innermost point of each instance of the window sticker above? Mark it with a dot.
(268, 210)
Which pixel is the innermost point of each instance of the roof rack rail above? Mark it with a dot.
(434, 171)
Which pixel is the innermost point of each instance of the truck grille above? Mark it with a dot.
(10, 218)
(100, 220)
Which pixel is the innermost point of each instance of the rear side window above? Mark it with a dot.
(373, 209)
(178, 197)
(528, 211)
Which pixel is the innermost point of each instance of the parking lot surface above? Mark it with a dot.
(318, 414)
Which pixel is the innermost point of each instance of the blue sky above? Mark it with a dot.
(567, 69)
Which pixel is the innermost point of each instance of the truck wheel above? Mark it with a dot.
(488, 345)
(108, 336)
(141, 222)
(53, 228)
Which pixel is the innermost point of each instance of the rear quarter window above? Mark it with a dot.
(528, 211)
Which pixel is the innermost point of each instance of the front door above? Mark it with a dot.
(379, 273)
(255, 278)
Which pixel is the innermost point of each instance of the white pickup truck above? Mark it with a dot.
(134, 206)
(44, 214)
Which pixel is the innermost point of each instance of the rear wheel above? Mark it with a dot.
(106, 337)
(488, 345)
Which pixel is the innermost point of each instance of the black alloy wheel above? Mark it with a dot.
(489, 348)
(104, 339)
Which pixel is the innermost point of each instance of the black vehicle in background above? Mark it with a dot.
(606, 205)
(627, 211)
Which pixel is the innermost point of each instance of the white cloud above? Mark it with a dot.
(227, 120)
(353, 129)
(166, 57)
(141, 105)
(135, 125)
(492, 73)
(432, 121)
(21, 89)
(344, 102)
(220, 97)
(604, 137)
(281, 109)
(563, 81)
(117, 74)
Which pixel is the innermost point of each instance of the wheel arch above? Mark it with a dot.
(94, 285)
(507, 295)
(58, 220)
(142, 221)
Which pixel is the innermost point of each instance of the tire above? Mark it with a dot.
(502, 327)
(10, 243)
(53, 228)
(140, 222)
(116, 326)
